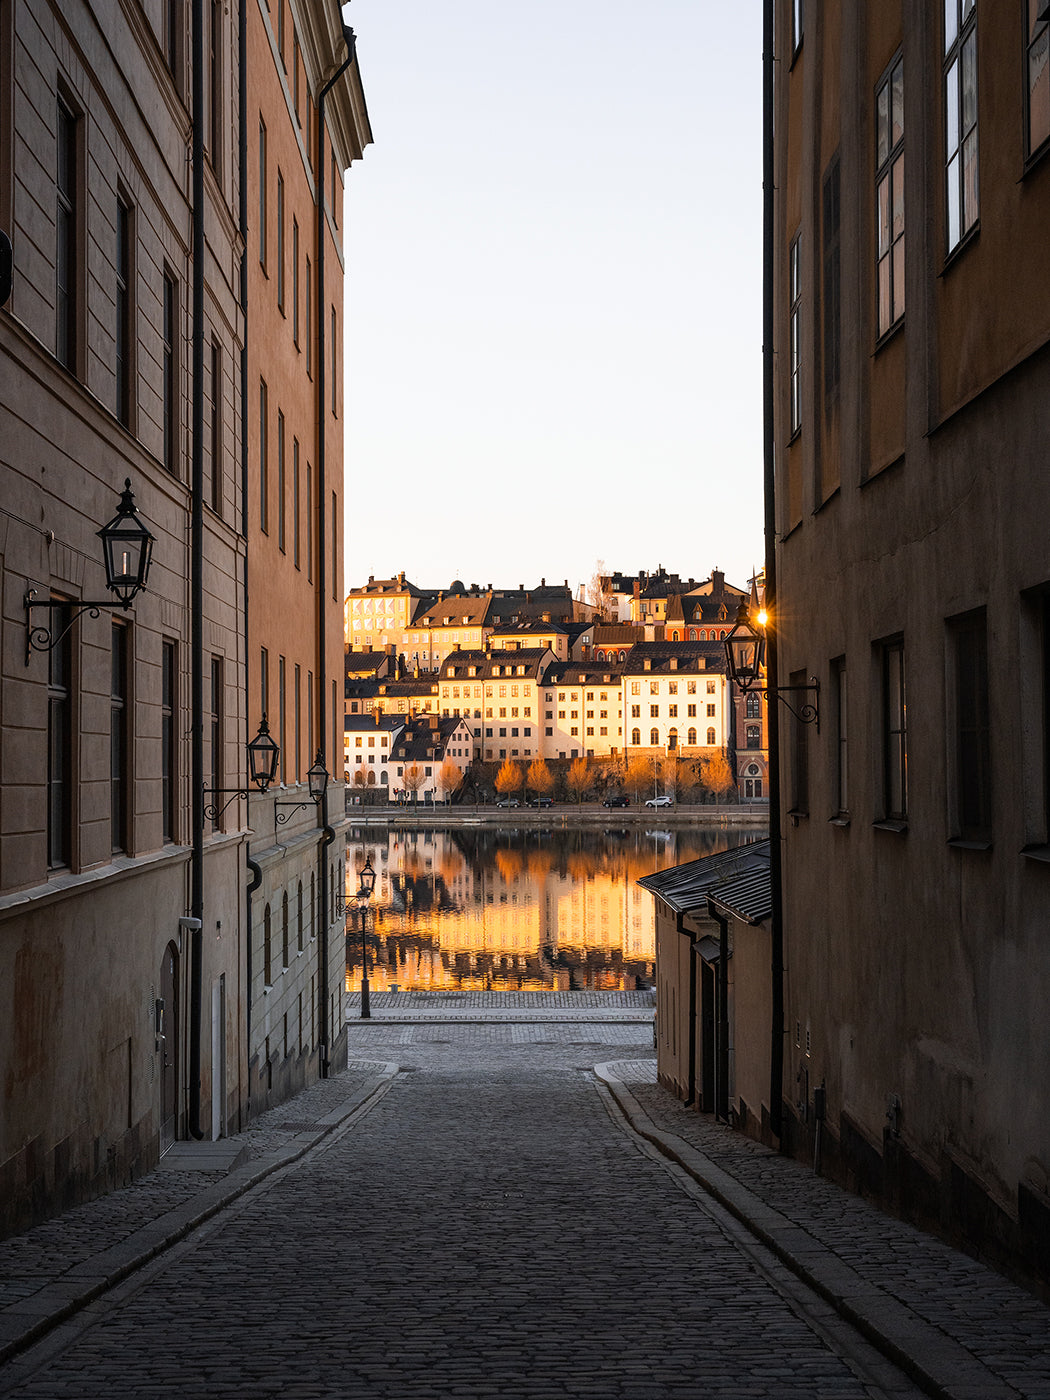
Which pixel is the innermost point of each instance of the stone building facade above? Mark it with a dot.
(912, 413)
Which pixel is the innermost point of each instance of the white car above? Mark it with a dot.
(665, 800)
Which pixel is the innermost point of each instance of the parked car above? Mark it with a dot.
(508, 802)
(664, 800)
(617, 799)
(540, 802)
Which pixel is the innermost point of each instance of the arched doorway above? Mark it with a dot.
(168, 1045)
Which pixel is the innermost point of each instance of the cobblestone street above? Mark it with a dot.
(489, 1225)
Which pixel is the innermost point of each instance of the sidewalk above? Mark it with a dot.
(505, 1007)
(960, 1330)
(54, 1269)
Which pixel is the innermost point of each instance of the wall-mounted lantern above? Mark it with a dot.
(127, 552)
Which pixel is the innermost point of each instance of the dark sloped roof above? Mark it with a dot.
(747, 896)
(684, 888)
(583, 673)
(422, 741)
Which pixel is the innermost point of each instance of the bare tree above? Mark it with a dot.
(639, 775)
(717, 776)
(413, 779)
(599, 592)
(509, 778)
(539, 778)
(449, 777)
(579, 779)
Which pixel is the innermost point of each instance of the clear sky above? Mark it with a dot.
(554, 291)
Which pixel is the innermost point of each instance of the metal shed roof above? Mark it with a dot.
(684, 888)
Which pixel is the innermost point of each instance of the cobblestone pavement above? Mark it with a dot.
(981, 1332)
(486, 1224)
(488, 1227)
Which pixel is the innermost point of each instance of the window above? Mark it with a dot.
(799, 754)
(969, 761)
(711, 738)
(215, 87)
(295, 281)
(169, 373)
(672, 711)
(960, 118)
(889, 196)
(894, 716)
(795, 330)
(335, 348)
(262, 193)
(654, 738)
(119, 737)
(172, 33)
(1037, 54)
(752, 705)
(267, 948)
(840, 793)
(285, 939)
(295, 501)
(124, 338)
(798, 16)
(299, 921)
(264, 681)
(832, 300)
(309, 525)
(60, 743)
(710, 711)
(654, 711)
(710, 687)
(282, 721)
(168, 740)
(280, 243)
(216, 427)
(280, 482)
(752, 734)
(335, 546)
(264, 464)
(297, 728)
(67, 236)
(308, 317)
(215, 734)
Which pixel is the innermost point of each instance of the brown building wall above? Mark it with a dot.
(915, 955)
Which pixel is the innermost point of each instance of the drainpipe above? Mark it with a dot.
(242, 210)
(690, 1085)
(776, 921)
(197, 582)
(322, 579)
(722, 1089)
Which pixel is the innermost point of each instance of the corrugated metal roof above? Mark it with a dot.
(686, 887)
(747, 897)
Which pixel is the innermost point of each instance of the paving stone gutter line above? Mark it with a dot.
(26, 1320)
(943, 1367)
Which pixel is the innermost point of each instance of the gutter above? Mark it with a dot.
(722, 1056)
(328, 837)
(197, 583)
(776, 922)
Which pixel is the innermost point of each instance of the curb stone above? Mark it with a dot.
(935, 1361)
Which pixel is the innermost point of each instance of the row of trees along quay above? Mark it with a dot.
(581, 779)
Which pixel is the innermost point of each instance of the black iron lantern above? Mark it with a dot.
(127, 549)
(745, 650)
(368, 881)
(262, 757)
(317, 778)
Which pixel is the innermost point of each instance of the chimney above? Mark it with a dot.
(371, 578)
(543, 583)
(718, 581)
(401, 579)
(586, 651)
(637, 588)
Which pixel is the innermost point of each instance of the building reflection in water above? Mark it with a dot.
(486, 908)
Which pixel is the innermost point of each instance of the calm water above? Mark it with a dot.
(486, 908)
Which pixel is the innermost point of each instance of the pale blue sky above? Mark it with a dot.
(554, 291)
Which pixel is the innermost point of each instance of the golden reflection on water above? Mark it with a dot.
(490, 909)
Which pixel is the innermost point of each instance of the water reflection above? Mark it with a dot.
(486, 908)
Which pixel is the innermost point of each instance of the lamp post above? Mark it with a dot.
(127, 551)
(364, 894)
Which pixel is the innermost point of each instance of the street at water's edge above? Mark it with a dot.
(489, 1226)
